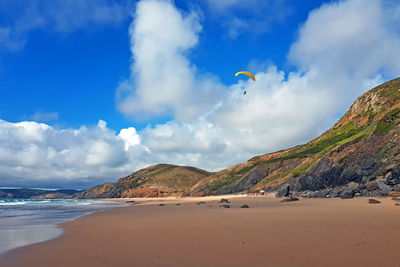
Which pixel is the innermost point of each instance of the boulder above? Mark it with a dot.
(394, 195)
(375, 193)
(366, 179)
(373, 201)
(283, 191)
(306, 194)
(371, 186)
(396, 187)
(336, 192)
(347, 193)
(352, 185)
(321, 193)
(383, 187)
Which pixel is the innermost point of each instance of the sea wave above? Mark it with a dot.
(13, 203)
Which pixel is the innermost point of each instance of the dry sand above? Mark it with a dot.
(309, 232)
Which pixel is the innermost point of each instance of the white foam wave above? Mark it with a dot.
(12, 203)
(84, 204)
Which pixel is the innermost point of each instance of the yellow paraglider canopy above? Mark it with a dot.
(246, 73)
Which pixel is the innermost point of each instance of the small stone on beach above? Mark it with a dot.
(244, 206)
(226, 206)
(373, 201)
(201, 202)
(161, 204)
(224, 200)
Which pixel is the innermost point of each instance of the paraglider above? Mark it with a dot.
(248, 74)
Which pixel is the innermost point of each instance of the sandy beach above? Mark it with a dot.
(308, 232)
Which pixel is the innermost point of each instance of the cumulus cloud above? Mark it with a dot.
(361, 43)
(19, 17)
(336, 60)
(34, 153)
(163, 81)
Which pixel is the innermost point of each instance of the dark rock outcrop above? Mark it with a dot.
(358, 156)
(347, 193)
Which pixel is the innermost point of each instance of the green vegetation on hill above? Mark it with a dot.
(388, 122)
(153, 181)
(217, 184)
(360, 144)
(375, 112)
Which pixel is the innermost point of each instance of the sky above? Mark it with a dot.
(93, 90)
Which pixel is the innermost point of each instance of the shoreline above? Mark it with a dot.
(301, 233)
(55, 231)
(37, 221)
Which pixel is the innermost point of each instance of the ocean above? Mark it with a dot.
(28, 221)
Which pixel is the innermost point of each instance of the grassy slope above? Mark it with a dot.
(375, 112)
(156, 180)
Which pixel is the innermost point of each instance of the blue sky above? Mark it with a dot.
(94, 90)
(55, 72)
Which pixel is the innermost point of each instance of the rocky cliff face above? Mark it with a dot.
(360, 155)
(155, 181)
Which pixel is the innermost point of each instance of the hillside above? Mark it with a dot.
(155, 181)
(36, 193)
(363, 147)
(359, 155)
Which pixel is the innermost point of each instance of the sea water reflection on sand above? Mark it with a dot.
(27, 221)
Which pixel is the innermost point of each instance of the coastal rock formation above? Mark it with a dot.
(358, 156)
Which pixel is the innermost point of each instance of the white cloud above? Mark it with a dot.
(19, 17)
(354, 37)
(163, 81)
(337, 59)
(41, 154)
(130, 137)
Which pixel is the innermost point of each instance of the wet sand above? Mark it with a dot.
(309, 232)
